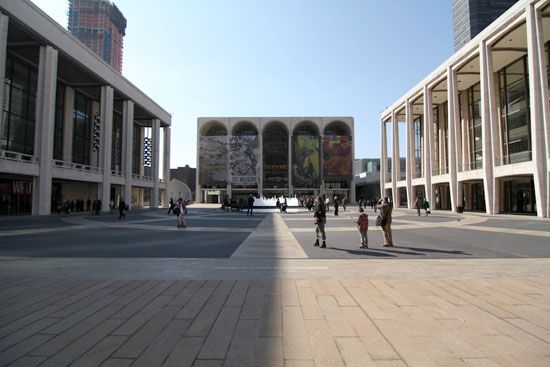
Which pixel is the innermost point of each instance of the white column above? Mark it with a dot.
(166, 168)
(4, 20)
(127, 141)
(395, 159)
(452, 98)
(540, 109)
(290, 185)
(68, 126)
(428, 139)
(106, 142)
(384, 159)
(261, 159)
(410, 162)
(155, 159)
(489, 119)
(44, 130)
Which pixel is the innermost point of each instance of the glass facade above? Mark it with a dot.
(136, 144)
(514, 117)
(418, 146)
(435, 139)
(275, 153)
(18, 120)
(116, 145)
(474, 127)
(59, 122)
(82, 128)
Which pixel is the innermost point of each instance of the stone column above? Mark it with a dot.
(44, 130)
(166, 168)
(540, 109)
(105, 149)
(452, 98)
(428, 139)
(489, 119)
(155, 162)
(290, 185)
(68, 126)
(395, 159)
(261, 163)
(384, 158)
(141, 152)
(4, 21)
(127, 142)
(410, 161)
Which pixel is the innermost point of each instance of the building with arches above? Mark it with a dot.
(272, 156)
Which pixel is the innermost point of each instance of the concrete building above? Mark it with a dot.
(100, 26)
(187, 175)
(477, 128)
(272, 156)
(472, 16)
(73, 128)
(366, 173)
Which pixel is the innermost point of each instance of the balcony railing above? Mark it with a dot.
(18, 157)
(402, 176)
(416, 174)
(115, 172)
(144, 178)
(514, 158)
(440, 171)
(76, 166)
(472, 166)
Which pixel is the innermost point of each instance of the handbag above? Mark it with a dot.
(380, 221)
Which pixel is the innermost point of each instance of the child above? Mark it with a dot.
(363, 226)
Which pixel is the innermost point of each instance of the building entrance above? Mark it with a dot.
(519, 197)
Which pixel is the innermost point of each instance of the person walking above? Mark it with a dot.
(385, 213)
(250, 205)
(426, 206)
(171, 208)
(363, 226)
(121, 209)
(327, 203)
(336, 204)
(418, 205)
(344, 203)
(320, 216)
(180, 211)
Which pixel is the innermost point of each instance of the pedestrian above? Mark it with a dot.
(250, 205)
(344, 203)
(111, 206)
(171, 208)
(121, 209)
(336, 204)
(373, 204)
(320, 221)
(363, 226)
(426, 206)
(284, 205)
(418, 205)
(88, 203)
(385, 220)
(327, 203)
(98, 207)
(180, 205)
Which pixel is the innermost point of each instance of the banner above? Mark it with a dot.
(244, 160)
(337, 157)
(306, 170)
(213, 161)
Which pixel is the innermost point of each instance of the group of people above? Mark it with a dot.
(384, 220)
(422, 204)
(239, 205)
(78, 205)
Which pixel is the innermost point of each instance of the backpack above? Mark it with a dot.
(176, 211)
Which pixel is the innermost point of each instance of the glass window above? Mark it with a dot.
(418, 145)
(435, 157)
(18, 121)
(82, 119)
(474, 126)
(514, 119)
(116, 146)
(59, 122)
(137, 139)
(275, 153)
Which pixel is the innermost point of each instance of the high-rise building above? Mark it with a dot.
(472, 16)
(100, 26)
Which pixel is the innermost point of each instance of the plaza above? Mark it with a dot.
(455, 290)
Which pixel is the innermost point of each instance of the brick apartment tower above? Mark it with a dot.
(100, 26)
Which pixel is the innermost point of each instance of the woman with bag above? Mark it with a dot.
(384, 220)
(426, 206)
(320, 220)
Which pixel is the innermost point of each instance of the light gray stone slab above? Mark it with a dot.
(184, 352)
(217, 342)
(100, 351)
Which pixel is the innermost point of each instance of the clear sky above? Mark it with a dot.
(200, 58)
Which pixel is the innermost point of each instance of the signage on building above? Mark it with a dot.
(21, 187)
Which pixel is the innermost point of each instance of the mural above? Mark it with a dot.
(337, 158)
(244, 160)
(213, 161)
(306, 170)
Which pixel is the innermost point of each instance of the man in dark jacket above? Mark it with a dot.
(250, 205)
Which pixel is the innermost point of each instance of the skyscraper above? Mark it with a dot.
(472, 16)
(100, 26)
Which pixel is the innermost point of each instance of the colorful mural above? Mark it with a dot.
(244, 160)
(337, 157)
(213, 161)
(306, 170)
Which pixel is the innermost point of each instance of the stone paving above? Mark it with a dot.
(268, 304)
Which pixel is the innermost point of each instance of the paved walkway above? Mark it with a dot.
(269, 305)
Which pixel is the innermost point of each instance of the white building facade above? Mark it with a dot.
(73, 129)
(274, 156)
(477, 128)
